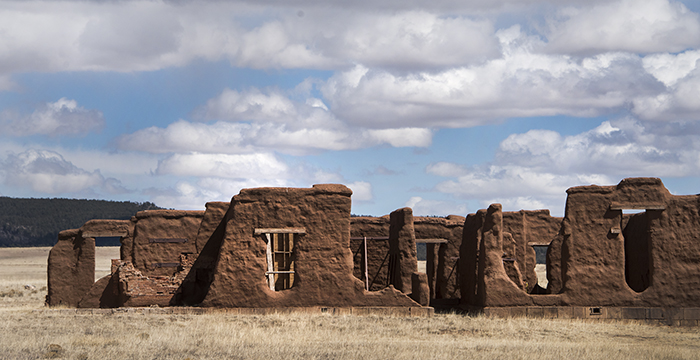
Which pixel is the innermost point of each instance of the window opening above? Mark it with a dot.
(282, 259)
(541, 265)
(280, 256)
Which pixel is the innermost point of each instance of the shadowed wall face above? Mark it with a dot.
(71, 268)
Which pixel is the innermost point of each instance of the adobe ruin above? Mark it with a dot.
(279, 247)
(267, 248)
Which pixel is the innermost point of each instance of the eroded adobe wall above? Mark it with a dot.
(657, 265)
(469, 257)
(322, 258)
(71, 268)
(209, 238)
(160, 236)
(403, 259)
(377, 250)
(443, 276)
(529, 227)
(494, 286)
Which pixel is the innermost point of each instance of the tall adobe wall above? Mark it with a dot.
(648, 259)
(599, 257)
(322, 258)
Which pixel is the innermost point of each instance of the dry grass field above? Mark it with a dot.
(30, 331)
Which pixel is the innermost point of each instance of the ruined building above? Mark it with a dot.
(267, 248)
(278, 247)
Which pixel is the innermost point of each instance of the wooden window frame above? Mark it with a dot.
(273, 273)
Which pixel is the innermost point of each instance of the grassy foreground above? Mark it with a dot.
(30, 331)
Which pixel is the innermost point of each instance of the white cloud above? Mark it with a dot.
(681, 75)
(48, 172)
(523, 83)
(446, 169)
(184, 196)
(63, 117)
(638, 26)
(534, 169)
(240, 166)
(254, 121)
(151, 35)
(361, 191)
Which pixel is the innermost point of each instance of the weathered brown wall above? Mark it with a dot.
(529, 227)
(663, 249)
(323, 260)
(600, 257)
(71, 268)
(163, 224)
(377, 250)
(443, 276)
(403, 260)
(209, 238)
(469, 257)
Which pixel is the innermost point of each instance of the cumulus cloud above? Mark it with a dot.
(254, 121)
(147, 35)
(681, 75)
(637, 26)
(48, 172)
(63, 117)
(534, 169)
(240, 166)
(361, 191)
(524, 82)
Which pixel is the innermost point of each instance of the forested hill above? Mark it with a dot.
(36, 222)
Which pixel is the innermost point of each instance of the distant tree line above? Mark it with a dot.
(37, 222)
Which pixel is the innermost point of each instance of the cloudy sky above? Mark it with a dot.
(444, 106)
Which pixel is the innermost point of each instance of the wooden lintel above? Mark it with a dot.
(538, 243)
(280, 231)
(369, 238)
(431, 241)
(637, 206)
(90, 234)
(278, 272)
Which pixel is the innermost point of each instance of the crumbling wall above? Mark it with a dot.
(160, 236)
(322, 258)
(71, 268)
(209, 238)
(377, 249)
(403, 260)
(661, 264)
(442, 259)
(528, 228)
(600, 256)
(469, 257)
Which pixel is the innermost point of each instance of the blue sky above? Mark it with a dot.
(445, 107)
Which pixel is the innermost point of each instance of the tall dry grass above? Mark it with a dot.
(28, 331)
